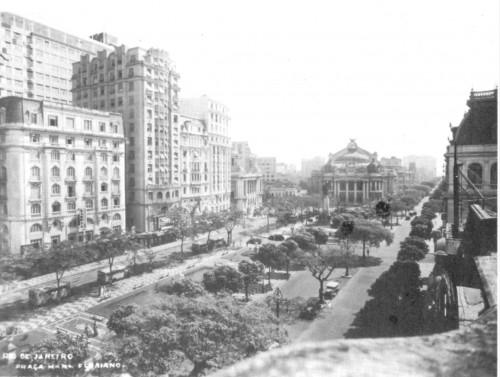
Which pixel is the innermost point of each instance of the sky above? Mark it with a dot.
(301, 78)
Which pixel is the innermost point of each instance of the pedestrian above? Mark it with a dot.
(95, 328)
(368, 251)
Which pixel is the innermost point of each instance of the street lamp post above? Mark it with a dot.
(277, 297)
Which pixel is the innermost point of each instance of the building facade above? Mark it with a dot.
(195, 165)
(141, 84)
(476, 145)
(353, 176)
(62, 173)
(36, 61)
(267, 166)
(246, 180)
(216, 118)
(403, 175)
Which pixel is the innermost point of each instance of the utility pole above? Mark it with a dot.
(454, 229)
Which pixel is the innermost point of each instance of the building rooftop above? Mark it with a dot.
(479, 125)
(469, 351)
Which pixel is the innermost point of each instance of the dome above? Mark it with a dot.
(352, 146)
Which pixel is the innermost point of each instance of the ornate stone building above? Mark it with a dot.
(476, 143)
(353, 176)
(62, 173)
(246, 180)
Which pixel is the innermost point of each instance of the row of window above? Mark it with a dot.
(56, 189)
(70, 172)
(475, 173)
(74, 223)
(36, 208)
(35, 138)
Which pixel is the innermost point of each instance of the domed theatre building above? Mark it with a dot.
(353, 177)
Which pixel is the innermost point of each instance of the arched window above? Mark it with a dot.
(73, 223)
(36, 209)
(56, 189)
(90, 221)
(475, 173)
(88, 172)
(56, 207)
(55, 171)
(167, 195)
(104, 187)
(35, 172)
(26, 117)
(104, 203)
(105, 218)
(4, 230)
(35, 228)
(57, 224)
(70, 172)
(104, 172)
(117, 216)
(493, 174)
(159, 196)
(89, 204)
(116, 201)
(116, 173)
(55, 155)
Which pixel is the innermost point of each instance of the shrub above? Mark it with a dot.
(182, 287)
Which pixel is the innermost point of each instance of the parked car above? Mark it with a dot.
(254, 241)
(199, 248)
(310, 311)
(331, 290)
(276, 237)
(216, 244)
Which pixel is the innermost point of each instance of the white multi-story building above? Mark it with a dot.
(36, 61)
(141, 85)
(62, 173)
(216, 118)
(195, 165)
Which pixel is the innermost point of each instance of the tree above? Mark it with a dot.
(115, 321)
(409, 202)
(150, 256)
(370, 233)
(59, 258)
(305, 241)
(230, 219)
(291, 251)
(208, 222)
(269, 255)
(420, 230)
(320, 237)
(321, 263)
(182, 287)
(222, 278)
(112, 244)
(206, 331)
(183, 224)
(409, 252)
(251, 274)
(418, 242)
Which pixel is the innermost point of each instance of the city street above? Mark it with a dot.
(88, 273)
(335, 320)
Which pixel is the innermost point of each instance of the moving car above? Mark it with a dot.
(310, 311)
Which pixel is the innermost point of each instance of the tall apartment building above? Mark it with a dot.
(36, 61)
(267, 166)
(62, 173)
(141, 84)
(216, 118)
